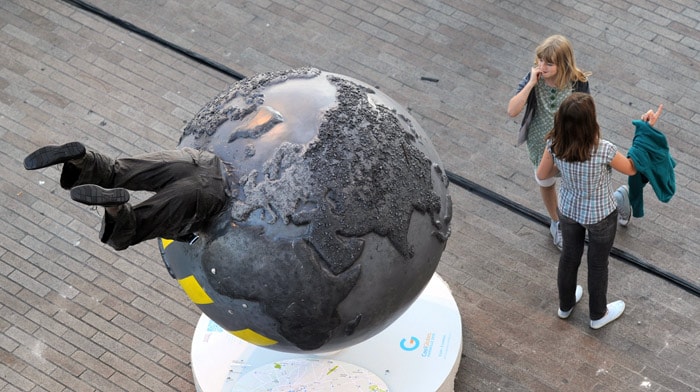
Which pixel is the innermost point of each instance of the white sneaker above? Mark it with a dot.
(624, 209)
(615, 310)
(579, 293)
(555, 231)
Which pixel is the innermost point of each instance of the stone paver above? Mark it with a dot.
(77, 316)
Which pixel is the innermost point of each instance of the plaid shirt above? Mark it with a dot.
(586, 193)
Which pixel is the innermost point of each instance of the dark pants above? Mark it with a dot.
(601, 236)
(188, 187)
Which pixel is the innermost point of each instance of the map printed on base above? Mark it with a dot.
(305, 375)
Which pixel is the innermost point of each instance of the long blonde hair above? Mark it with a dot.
(558, 50)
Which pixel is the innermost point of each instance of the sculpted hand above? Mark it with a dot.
(651, 116)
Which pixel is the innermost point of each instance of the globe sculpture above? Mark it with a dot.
(339, 212)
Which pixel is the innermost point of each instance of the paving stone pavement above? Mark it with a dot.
(77, 316)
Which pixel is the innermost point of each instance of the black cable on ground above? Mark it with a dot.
(540, 218)
(454, 178)
(128, 26)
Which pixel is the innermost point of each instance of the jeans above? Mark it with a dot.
(601, 236)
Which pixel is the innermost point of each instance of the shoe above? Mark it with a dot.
(556, 234)
(95, 195)
(615, 310)
(624, 209)
(53, 155)
(579, 293)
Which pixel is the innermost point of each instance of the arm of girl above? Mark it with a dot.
(547, 168)
(623, 164)
(518, 101)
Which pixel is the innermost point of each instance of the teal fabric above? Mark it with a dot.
(654, 164)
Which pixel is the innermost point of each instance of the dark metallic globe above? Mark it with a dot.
(338, 215)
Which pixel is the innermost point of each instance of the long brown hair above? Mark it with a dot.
(576, 131)
(557, 49)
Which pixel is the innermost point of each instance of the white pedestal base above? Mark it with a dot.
(420, 351)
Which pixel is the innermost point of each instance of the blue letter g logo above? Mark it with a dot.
(409, 344)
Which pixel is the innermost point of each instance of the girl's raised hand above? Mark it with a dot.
(652, 116)
(535, 73)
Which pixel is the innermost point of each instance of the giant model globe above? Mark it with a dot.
(338, 215)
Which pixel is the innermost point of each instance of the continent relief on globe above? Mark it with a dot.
(338, 215)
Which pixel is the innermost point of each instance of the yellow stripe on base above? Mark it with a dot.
(165, 242)
(253, 337)
(195, 291)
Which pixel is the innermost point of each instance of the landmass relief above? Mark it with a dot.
(339, 210)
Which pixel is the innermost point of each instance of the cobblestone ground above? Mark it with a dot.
(77, 316)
